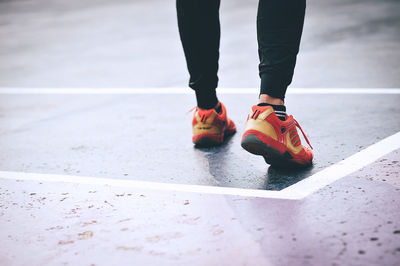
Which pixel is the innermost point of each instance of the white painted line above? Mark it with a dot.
(344, 91)
(141, 184)
(297, 191)
(343, 168)
(189, 91)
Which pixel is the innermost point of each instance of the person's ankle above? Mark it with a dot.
(265, 98)
(276, 103)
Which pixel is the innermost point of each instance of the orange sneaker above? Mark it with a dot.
(276, 140)
(210, 127)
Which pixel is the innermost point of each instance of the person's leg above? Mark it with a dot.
(199, 29)
(269, 131)
(279, 29)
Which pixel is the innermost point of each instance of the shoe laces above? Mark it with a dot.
(191, 110)
(295, 136)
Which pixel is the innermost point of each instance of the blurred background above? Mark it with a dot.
(135, 43)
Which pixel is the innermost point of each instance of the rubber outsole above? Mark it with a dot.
(254, 145)
(207, 142)
(210, 142)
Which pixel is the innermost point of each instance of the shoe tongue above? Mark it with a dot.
(219, 109)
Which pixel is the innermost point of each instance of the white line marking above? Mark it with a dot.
(189, 91)
(139, 184)
(297, 191)
(343, 168)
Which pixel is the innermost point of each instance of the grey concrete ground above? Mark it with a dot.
(354, 221)
(125, 43)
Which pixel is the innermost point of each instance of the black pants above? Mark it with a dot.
(279, 28)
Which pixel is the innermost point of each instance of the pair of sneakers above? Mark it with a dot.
(265, 134)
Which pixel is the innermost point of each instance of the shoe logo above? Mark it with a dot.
(255, 114)
(203, 118)
(283, 130)
(204, 127)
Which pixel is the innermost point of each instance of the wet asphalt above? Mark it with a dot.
(136, 44)
(117, 136)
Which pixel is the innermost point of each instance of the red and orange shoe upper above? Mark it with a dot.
(210, 126)
(280, 135)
